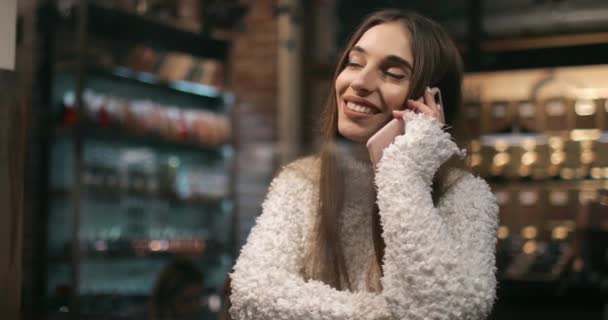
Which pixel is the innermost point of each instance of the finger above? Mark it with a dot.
(408, 107)
(429, 97)
(401, 114)
(421, 107)
(430, 101)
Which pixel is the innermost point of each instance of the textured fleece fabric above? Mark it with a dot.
(439, 261)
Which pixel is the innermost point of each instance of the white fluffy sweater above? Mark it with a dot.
(438, 263)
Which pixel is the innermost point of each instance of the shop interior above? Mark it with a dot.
(154, 128)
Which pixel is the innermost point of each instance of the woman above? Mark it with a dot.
(411, 239)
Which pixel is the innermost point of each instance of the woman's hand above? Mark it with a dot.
(425, 105)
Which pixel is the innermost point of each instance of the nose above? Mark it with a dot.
(365, 81)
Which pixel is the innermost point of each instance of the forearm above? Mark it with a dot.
(429, 271)
(274, 294)
(417, 258)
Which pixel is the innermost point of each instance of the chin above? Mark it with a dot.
(354, 135)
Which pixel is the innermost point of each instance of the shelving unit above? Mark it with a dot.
(120, 200)
(540, 144)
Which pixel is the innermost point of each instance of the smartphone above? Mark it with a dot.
(383, 138)
(387, 134)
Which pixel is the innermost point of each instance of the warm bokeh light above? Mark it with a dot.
(597, 173)
(529, 158)
(559, 233)
(584, 107)
(558, 157)
(503, 232)
(530, 247)
(567, 173)
(556, 143)
(501, 159)
(501, 145)
(529, 232)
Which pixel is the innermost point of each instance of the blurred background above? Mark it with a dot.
(153, 128)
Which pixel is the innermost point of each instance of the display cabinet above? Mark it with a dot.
(540, 140)
(139, 158)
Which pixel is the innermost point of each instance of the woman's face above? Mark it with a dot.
(374, 82)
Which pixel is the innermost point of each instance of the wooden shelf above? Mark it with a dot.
(541, 42)
(114, 133)
(207, 92)
(550, 183)
(122, 25)
(115, 193)
(542, 52)
(132, 249)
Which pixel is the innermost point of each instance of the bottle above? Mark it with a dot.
(68, 109)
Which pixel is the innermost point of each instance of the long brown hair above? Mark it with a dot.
(437, 63)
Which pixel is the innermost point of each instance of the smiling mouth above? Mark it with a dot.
(360, 108)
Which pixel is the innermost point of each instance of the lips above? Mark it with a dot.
(360, 106)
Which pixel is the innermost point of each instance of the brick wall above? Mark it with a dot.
(253, 79)
(253, 62)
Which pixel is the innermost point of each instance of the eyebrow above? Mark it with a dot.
(391, 58)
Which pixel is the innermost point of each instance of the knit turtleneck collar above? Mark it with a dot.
(358, 173)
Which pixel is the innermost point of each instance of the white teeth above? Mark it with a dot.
(359, 108)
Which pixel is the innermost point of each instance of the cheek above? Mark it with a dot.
(395, 97)
(342, 82)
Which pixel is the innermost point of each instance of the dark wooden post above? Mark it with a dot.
(12, 158)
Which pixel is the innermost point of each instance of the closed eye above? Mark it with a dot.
(394, 75)
(354, 64)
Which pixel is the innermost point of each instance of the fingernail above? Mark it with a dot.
(428, 89)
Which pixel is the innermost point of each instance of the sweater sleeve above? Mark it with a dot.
(439, 262)
(266, 282)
